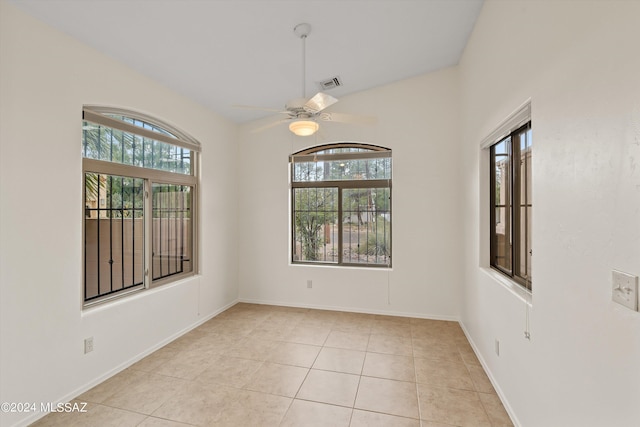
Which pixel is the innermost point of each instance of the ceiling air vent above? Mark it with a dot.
(330, 83)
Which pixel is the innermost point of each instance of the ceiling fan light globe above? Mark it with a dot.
(303, 127)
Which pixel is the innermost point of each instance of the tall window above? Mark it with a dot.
(341, 205)
(511, 205)
(140, 184)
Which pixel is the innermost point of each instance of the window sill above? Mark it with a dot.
(514, 288)
(340, 267)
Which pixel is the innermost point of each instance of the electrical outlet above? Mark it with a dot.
(625, 289)
(309, 284)
(88, 345)
(497, 347)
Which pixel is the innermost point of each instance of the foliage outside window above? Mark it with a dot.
(139, 203)
(341, 205)
(511, 206)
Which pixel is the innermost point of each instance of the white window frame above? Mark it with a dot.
(516, 120)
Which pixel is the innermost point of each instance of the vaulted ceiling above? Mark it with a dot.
(225, 52)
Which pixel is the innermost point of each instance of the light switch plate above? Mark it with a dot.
(625, 289)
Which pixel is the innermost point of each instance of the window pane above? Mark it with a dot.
(172, 230)
(366, 226)
(114, 234)
(315, 229)
(113, 145)
(141, 124)
(352, 169)
(502, 256)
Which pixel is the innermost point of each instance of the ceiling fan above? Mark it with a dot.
(303, 114)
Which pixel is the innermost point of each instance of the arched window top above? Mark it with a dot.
(139, 124)
(135, 139)
(341, 148)
(346, 161)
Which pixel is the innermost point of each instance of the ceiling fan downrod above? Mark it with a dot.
(302, 31)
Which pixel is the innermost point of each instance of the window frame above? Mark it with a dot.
(170, 135)
(311, 154)
(514, 217)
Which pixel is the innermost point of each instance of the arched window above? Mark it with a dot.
(140, 192)
(341, 205)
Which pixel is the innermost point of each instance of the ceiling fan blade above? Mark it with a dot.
(269, 125)
(252, 107)
(319, 102)
(348, 118)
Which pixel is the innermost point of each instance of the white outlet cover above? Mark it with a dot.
(625, 289)
(88, 345)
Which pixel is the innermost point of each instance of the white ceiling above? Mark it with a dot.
(226, 52)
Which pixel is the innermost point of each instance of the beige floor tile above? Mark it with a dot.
(353, 322)
(314, 414)
(451, 406)
(187, 364)
(308, 334)
(314, 323)
(468, 355)
(480, 379)
(373, 419)
(387, 396)
(210, 326)
(348, 340)
(245, 366)
(287, 309)
(425, 328)
(287, 353)
(248, 408)
(230, 371)
(212, 344)
(390, 327)
(327, 317)
(390, 366)
(285, 318)
(106, 389)
(272, 331)
(424, 423)
(443, 373)
(155, 359)
(185, 340)
(145, 393)
(96, 415)
(196, 404)
(340, 360)
(251, 348)
(334, 388)
(494, 408)
(159, 422)
(238, 326)
(434, 348)
(390, 344)
(273, 378)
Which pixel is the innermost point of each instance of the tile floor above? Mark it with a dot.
(258, 365)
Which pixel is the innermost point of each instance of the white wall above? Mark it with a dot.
(579, 63)
(46, 78)
(418, 121)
